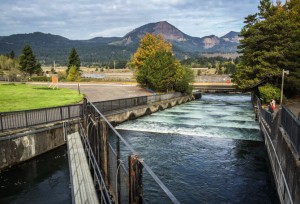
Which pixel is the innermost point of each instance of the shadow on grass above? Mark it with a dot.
(9, 84)
(45, 88)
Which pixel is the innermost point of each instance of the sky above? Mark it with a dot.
(86, 19)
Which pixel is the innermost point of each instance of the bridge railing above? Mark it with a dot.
(119, 104)
(266, 115)
(28, 118)
(122, 168)
(287, 120)
(292, 126)
(97, 175)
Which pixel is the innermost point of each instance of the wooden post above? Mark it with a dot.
(104, 150)
(135, 180)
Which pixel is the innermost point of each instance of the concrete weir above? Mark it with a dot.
(139, 111)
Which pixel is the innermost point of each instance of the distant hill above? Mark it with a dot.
(105, 50)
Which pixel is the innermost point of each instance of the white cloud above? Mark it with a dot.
(82, 19)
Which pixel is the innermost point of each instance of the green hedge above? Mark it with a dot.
(268, 92)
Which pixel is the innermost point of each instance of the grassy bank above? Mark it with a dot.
(15, 97)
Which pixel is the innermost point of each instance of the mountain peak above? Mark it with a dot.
(169, 32)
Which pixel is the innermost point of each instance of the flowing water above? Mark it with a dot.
(205, 151)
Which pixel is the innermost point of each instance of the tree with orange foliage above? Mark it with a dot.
(156, 67)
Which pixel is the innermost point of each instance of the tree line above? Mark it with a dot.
(26, 65)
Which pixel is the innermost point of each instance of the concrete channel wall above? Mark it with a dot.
(21, 145)
(18, 146)
(284, 160)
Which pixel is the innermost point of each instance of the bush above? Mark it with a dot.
(268, 92)
(40, 78)
(61, 76)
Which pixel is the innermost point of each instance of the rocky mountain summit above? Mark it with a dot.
(226, 43)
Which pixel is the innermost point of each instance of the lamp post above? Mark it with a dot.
(282, 82)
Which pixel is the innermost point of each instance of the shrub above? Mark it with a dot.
(268, 92)
(40, 78)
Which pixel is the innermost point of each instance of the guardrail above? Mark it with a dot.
(29, 118)
(287, 120)
(122, 168)
(292, 126)
(267, 116)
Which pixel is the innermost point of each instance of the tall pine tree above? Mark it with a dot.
(28, 63)
(73, 60)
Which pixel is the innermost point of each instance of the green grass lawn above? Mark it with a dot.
(15, 97)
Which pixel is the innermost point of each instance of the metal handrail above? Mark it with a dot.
(24, 119)
(153, 175)
(97, 173)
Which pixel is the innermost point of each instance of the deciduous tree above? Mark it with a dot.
(155, 65)
(73, 74)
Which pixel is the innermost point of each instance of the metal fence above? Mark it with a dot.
(97, 175)
(119, 104)
(292, 126)
(287, 120)
(122, 169)
(28, 118)
(266, 115)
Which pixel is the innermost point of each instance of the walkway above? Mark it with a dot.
(294, 106)
(83, 190)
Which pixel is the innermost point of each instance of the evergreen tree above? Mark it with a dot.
(73, 60)
(270, 44)
(12, 55)
(28, 63)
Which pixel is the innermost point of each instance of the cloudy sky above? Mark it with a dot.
(85, 19)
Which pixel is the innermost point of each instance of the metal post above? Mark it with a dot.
(119, 174)
(135, 180)
(282, 82)
(26, 120)
(61, 114)
(78, 86)
(84, 114)
(1, 121)
(69, 114)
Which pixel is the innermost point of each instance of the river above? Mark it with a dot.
(205, 151)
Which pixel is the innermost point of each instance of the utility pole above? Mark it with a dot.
(282, 82)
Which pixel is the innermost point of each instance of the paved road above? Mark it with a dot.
(105, 91)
